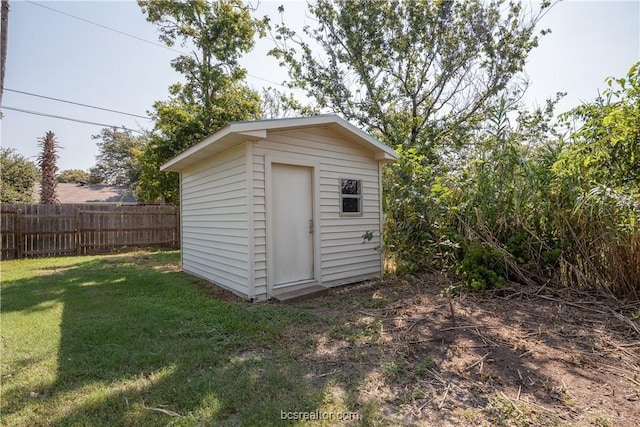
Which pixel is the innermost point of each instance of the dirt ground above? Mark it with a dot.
(516, 356)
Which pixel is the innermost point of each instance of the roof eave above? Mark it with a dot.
(256, 130)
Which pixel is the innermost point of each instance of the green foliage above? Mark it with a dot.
(423, 77)
(511, 202)
(393, 368)
(220, 32)
(117, 162)
(532, 204)
(423, 367)
(606, 146)
(74, 176)
(417, 223)
(17, 177)
(277, 105)
(418, 74)
(481, 268)
(599, 172)
(213, 93)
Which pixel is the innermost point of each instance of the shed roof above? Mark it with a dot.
(237, 132)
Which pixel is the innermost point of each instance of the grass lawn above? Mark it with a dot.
(129, 340)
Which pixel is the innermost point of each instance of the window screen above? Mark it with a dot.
(350, 196)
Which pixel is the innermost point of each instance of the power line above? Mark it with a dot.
(77, 103)
(105, 27)
(37, 113)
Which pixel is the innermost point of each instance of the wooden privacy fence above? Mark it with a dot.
(76, 229)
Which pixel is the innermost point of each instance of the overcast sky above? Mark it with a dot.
(56, 55)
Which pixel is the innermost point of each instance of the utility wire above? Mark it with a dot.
(105, 27)
(37, 113)
(77, 103)
(141, 39)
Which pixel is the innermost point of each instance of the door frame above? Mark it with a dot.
(292, 160)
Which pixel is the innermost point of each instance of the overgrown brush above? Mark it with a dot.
(528, 204)
(605, 244)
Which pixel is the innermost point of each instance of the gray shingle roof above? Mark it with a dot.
(89, 193)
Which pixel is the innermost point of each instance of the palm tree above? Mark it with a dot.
(47, 162)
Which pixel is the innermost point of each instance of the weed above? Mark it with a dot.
(374, 303)
(504, 412)
(371, 414)
(487, 377)
(602, 421)
(357, 355)
(423, 367)
(471, 416)
(360, 332)
(393, 368)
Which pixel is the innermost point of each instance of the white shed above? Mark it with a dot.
(274, 206)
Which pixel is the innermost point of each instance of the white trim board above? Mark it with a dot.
(239, 132)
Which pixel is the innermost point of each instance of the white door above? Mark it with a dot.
(292, 223)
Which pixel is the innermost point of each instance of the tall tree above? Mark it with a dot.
(277, 105)
(421, 75)
(47, 161)
(415, 73)
(17, 177)
(213, 93)
(117, 162)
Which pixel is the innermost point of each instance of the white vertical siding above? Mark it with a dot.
(344, 257)
(215, 238)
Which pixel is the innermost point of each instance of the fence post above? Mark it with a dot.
(77, 230)
(19, 237)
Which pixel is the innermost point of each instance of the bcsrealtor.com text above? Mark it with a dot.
(318, 415)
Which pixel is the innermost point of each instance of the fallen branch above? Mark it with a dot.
(416, 322)
(631, 344)
(425, 404)
(437, 377)
(446, 392)
(525, 353)
(335, 371)
(595, 310)
(477, 362)
(485, 339)
(164, 411)
(626, 320)
(470, 327)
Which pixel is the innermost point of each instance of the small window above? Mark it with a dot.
(350, 197)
